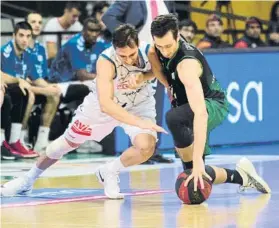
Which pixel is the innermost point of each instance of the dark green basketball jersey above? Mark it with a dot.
(210, 86)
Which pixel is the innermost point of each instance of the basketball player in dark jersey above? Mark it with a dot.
(198, 105)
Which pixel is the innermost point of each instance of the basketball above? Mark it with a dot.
(187, 193)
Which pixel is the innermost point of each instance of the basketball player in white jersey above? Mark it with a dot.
(112, 102)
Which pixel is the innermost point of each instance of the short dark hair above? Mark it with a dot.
(98, 7)
(188, 23)
(73, 5)
(91, 20)
(22, 25)
(164, 23)
(32, 12)
(253, 20)
(125, 35)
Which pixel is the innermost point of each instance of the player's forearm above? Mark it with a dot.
(117, 112)
(147, 76)
(163, 81)
(200, 134)
(39, 90)
(83, 75)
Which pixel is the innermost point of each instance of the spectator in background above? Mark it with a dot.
(212, 38)
(273, 29)
(251, 38)
(15, 94)
(16, 64)
(98, 11)
(188, 29)
(76, 60)
(138, 13)
(17, 61)
(68, 22)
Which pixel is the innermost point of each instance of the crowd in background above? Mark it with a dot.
(42, 83)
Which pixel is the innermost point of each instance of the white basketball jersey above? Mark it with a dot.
(124, 96)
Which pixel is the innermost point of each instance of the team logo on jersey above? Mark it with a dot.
(93, 57)
(40, 58)
(7, 51)
(81, 129)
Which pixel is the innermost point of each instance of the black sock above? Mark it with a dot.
(187, 165)
(233, 176)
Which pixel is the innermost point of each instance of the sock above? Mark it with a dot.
(15, 132)
(34, 173)
(233, 177)
(116, 165)
(187, 165)
(2, 136)
(23, 135)
(42, 139)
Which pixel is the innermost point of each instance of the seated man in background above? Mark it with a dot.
(212, 38)
(74, 67)
(251, 38)
(75, 64)
(188, 29)
(17, 61)
(15, 96)
(68, 22)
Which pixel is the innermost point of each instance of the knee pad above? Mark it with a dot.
(58, 148)
(179, 121)
(211, 172)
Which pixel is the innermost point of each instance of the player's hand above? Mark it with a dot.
(148, 124)
(23, 85)
(135, 81)
(197, 173)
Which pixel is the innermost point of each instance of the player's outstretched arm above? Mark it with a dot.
(189, 71)
(156, 67)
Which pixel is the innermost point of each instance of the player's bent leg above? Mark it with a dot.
(143, 148)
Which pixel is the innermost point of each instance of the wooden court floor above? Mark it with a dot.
(150, 202)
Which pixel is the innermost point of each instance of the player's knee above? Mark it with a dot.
(145, 143)
(59, 147)
(172, 121)
(181, 133)
(54, 99)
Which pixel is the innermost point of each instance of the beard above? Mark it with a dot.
(20, 49)
(89, 45)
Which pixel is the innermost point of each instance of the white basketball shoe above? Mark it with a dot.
(110, 180)
(18, 186)
(250, 177)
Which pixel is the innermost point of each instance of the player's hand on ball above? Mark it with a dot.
(197, 173)
(148, 124)
(135, 81)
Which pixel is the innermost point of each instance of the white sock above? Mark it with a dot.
(15, 132)
(42, 139)
(2, 136)
(34, 173)
(116, 165)
(23, 135)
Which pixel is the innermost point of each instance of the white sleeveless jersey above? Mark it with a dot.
(125, 97)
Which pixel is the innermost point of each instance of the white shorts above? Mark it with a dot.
(89, 123)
